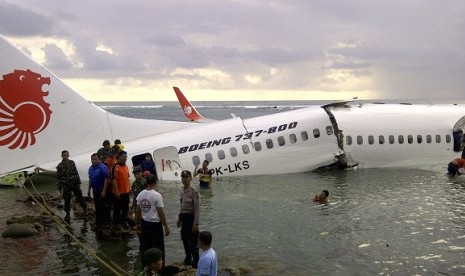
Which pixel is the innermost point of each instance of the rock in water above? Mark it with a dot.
(17, 230)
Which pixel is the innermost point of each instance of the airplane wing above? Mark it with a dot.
(188, 109)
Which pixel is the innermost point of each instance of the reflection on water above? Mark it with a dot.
(380, 221)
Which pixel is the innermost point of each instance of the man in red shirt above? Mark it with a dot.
(455, 165)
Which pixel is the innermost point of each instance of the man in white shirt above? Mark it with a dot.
(150, 219)
(208, 262)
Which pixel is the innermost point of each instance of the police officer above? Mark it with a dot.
(69, 183)
(188, 219)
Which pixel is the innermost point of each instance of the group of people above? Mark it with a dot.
(111, 188)
(152, 227)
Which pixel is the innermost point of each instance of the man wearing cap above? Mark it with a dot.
(150, 218)
(188, 219)
(154, 261)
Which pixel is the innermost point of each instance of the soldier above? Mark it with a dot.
(188, 219)
(69, 183)
(137, 186)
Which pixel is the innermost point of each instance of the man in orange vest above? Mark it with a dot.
(120, 189)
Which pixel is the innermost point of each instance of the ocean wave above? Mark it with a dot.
(130, 106)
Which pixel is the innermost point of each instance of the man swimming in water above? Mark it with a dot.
(322, 197)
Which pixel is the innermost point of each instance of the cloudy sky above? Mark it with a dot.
(246, 49)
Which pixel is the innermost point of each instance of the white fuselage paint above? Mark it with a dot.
(319, 148)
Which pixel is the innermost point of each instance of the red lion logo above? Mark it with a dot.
(23, 111)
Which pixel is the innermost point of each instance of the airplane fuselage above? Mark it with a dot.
(306, 139)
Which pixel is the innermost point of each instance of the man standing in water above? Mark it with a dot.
(98, 174)
(69, 183)
(205, 175)
(188, 219)
(150, 219)
(120, 189)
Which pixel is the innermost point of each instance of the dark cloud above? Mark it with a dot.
(402, 48)
(165, 41)
(19, 21)
(55, 58)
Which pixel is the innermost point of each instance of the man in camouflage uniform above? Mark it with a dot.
(137, 186)
(105, 151)
(69, 183)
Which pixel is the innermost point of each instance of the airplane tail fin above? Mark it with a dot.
(40, 116)
(189, 110)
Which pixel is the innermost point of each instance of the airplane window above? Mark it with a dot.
(208, 157)
(401, 139)
(316, 133)
(329, 130)
(257, 146)
(359, 140)
(448, 138)
(269, 143)
(428, 139)
(419, 139)
(304, 135)
(196, 160)
(245, 149)
(281, 141)
(233, 151)
(410, 139)
(293, 138)
(349, 140)
(221, 154)
(438, 138)
(381, 139)
(371, 139)
(391, 139)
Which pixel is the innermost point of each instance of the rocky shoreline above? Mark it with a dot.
(30, 225)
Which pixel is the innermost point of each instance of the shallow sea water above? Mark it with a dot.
(393, 221)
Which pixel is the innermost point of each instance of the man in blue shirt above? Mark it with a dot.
(98, 173)
(208, 262)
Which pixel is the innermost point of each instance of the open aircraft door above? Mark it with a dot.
(457, 133)
(167, 163)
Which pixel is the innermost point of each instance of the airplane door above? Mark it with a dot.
(167, 163)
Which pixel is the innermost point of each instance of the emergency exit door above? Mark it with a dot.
(167, 163)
